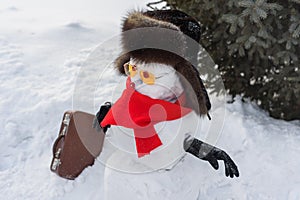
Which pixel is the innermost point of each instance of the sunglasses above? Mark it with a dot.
(147, 77)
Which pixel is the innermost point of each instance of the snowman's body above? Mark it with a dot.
(119, 152)
(120, 149)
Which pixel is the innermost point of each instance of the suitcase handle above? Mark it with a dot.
(56, 154)
(55, 145)
(66, 121)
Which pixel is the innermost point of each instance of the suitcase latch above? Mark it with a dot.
(66, 120)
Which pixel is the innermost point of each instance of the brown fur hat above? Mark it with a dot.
(168, 37)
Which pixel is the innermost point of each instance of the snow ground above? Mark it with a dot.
(43, 44)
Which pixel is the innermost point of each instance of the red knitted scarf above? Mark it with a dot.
(139, 112)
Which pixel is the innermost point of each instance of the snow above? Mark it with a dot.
(43, 46)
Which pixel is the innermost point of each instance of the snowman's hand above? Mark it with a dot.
(214, 154)
(100, 116)
(211, 154)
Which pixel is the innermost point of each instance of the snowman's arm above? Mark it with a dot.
(211, 154)
(100, 116)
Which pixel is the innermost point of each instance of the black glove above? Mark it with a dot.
(100, 116)
(211, 154)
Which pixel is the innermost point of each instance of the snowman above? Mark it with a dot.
(151, 126)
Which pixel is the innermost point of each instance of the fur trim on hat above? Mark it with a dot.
(152, 40)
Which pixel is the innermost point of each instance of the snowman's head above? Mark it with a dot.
(156, 80)
(171, 38)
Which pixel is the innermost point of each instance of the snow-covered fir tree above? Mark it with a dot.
(256, 45)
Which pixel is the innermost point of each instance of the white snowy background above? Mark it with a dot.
(43, 44)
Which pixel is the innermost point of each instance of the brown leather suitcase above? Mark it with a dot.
(77, 145)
